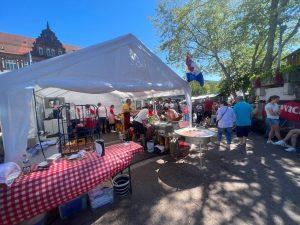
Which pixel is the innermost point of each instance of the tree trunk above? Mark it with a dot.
(273, 21)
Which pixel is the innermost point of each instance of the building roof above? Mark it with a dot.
(20, 45)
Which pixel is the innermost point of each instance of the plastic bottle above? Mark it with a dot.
(26, 165)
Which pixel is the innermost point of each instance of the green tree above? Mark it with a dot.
(282, 15)
(210, 87)
(229, 37)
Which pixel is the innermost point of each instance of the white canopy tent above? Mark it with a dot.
(120, 68)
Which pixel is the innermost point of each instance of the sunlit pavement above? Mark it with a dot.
(256, 185)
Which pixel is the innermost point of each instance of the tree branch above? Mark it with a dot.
(253, 63)
(294, 31)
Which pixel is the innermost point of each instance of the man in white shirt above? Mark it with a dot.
(139, 124)
(102, 115)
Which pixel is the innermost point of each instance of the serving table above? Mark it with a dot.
(65, 180)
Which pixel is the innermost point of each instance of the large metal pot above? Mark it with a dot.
(163, 128)
(195, 135)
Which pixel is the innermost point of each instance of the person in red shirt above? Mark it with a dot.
(208, 107)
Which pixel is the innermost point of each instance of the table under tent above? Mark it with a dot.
(120, 68)
(75, 128)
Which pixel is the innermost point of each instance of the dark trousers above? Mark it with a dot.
(102, 124)
(227, 131)
(139, 130)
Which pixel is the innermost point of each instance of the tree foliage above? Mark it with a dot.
(234, 38)
(210, 87)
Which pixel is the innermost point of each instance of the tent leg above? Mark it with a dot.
(37, 124)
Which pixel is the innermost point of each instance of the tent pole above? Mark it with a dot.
(37, 124)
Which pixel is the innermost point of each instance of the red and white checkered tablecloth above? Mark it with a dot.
(65, 180)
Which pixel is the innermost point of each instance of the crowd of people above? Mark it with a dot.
(238, 115)
(102, 119)
(228, 116)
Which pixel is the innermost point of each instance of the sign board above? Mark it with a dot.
(290, 111)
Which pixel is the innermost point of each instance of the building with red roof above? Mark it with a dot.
(17, 51)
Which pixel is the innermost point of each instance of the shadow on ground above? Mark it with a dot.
(256, 185)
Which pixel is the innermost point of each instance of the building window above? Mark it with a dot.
(48, 52)
(59, 52)
(10, 64)
(52, 52)
(41, 51)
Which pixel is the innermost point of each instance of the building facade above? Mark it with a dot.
(18, 51)
(293, 58)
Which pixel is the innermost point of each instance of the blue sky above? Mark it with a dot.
(84, 23)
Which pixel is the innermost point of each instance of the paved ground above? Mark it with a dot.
(259, 185)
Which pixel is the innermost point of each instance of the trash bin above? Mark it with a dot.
(121, 184)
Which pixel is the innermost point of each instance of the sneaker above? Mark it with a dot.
(290, 149)
(281, 143)
(270, 142)
(228, 146)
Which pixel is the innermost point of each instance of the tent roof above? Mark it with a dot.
(122, 64)
(204, 96)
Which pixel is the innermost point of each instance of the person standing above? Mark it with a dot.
(272, 111)
(243, 113)
(225, 120)
(112, 118)
(139, 122)
(102, 115)
(126, 110)
(208, 107)
(90, 116)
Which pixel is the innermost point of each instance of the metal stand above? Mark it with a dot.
(65, 136)
(201, 155)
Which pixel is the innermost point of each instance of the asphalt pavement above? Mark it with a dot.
(259, 184)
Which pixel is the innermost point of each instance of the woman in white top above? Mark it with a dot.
(225, 119)
(272, 111)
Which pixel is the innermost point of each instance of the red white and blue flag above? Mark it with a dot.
(193, 71)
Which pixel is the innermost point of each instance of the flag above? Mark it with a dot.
(193, 71)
